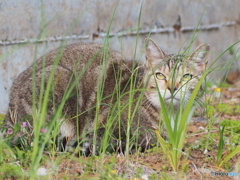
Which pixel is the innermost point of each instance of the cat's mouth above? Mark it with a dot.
(172, 98)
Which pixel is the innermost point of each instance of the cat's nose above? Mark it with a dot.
(172, 89)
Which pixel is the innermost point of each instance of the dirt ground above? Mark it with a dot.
(198, 165)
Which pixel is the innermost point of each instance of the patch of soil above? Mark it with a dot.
(197, 166)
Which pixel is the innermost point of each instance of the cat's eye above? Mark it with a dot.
(186, 77)
(160, 76)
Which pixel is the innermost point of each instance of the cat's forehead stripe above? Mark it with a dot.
(172, 61)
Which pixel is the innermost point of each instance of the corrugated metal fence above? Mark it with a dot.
(172, 23)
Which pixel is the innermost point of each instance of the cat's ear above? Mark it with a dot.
(153, 52)
(200, 57)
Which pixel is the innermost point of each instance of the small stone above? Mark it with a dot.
(145, 177)
(42, 171)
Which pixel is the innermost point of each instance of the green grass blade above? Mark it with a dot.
(230, 155)
(220, 144)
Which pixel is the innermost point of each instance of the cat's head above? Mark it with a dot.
(174, 77)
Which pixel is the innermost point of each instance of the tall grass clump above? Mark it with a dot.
(176, 127)
(176, 123)
(40, 104)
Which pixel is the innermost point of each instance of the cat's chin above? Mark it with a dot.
(172, 101)
(169, 102)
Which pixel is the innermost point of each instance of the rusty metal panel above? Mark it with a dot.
(172, 24)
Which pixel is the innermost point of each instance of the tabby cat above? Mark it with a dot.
(106, 87)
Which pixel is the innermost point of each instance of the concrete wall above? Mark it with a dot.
(23, 21)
